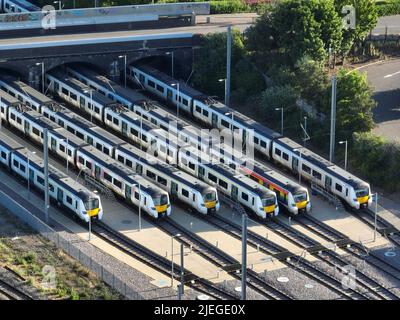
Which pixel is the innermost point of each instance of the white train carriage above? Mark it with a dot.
(62, 189)
(255, 197)
(6, 101)
(7, 147)
(124, 182)
(292, 196)
(179, 184)
(25, 93)
(145, 108)
(78, 94)
(322, 172)
(17, 6)
(30, 123)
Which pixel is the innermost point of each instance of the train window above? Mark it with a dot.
(61, 123)
(154, 121)
(3, 155)
(347, 192)
(116, 121)
(88, 165)
(2, 109)
(19, 121)
(51, 187)
(40, 180)
(106, 150)
(317, 175)
(22, 168)
(62, 148)
(162, 181)
(70, 129)
(185, 193)
(121, 158)
(144, 138)
(185, 102)
(151, 83)
(192, 165)
(198, 109)
(338, 187)
(16, 163)
(263, 144)
(225, 123)
(69, 153)
(256, 140)
(107, 177)
(159, 88)
(212, 177)
(64, 91)
(205, 113)
(278, 152)
(97, 110)
(118, 183)
(74, 96)
(81, 160)
(223, 184)
(35, 131)
(233, 166)
(285, 156)
(245, 196)
(52, 119)
(13, 116)
(98, 146)
(306, 168)
(162, 149)
(136, 195)
(69, 199)
(80, 135)
(134, 132)
(151, 174)
(109, 118)
(129, 163)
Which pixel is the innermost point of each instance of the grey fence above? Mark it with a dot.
(69, 247)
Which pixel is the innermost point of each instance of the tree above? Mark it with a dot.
(307, 27)
(366, 20)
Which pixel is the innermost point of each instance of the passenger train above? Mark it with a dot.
(183, 187)
(122, 181)
(292, 196)
(63, 190)
(279, 149)
(169, 149)
(16, 6)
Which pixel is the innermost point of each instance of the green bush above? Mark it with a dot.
(388, 8)
(377, 160)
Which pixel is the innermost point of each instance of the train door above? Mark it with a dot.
(174, 189)
(31, 175)
(201, 172)
(234, 192)
(139, 169)
(82, 103)
(97, 172)
(214, 119)
(128, 192)
(26, 127)
(328, 183)
(124, 128)
(244, 137)
(53, 144)
(60, 195)
(295, 164)
(170, 96)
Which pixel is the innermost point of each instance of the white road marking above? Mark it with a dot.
(391, 75)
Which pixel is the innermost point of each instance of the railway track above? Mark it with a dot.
(11, 292)
(157, 262)
(337, 239)
(221, 259)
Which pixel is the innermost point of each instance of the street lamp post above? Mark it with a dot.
(59, 4)
(177, 98)
(172, 257)
(376, 215)
(305, 130)
(125, 58)
(29, 183)
(281, 109)
(345, 153)
(38, 64)
(225, 90)
(171, 53)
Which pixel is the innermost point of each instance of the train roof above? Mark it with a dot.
(131, 95)
(8, 99)
(161, 76)
(8, 142)
(27, 90)
(39, 119)
(73, 140)
(110, 138)
(163, 167)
